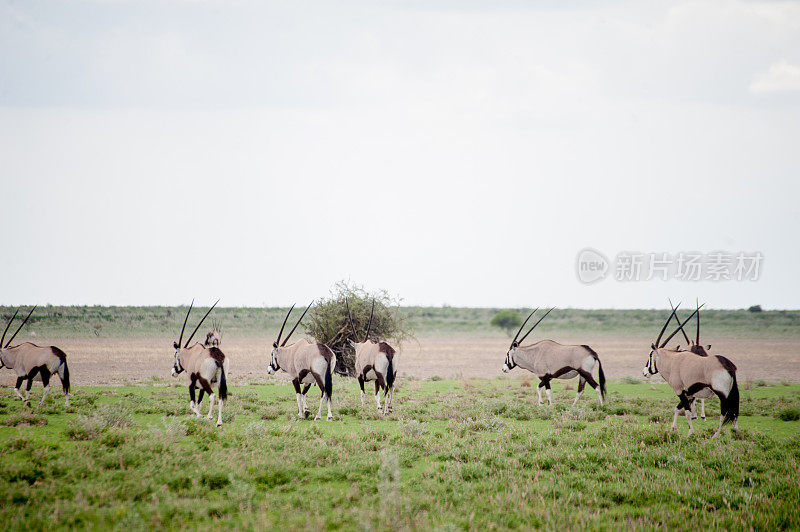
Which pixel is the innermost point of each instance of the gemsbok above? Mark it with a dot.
(689, 374)
(214, 336)
(306, 363)
(374, 362)
(205, 367)
(550, 360)
(699, 350)
(29, 362)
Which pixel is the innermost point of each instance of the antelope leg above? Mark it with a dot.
(219, 417)
(296, 383)
(16, 388)
(378, 390)
(581, 385)
(210, 406)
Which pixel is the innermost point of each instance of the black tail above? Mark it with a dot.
(600, 367)
(63, 369)
(328, 381)
(730, 404)
(390, 374)
(223, 384)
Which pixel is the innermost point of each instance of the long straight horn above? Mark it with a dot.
(296, 324)
(201, 322)
(350, 319)
(664, 328)
(3, 339)
(180, 340)
(680, 325)
(535, 324)
(282, 326)
(697, 339)
(369, 325)
(523, 325)
(21, 326)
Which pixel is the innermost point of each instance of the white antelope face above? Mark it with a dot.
(651, 367)
(509, 364)
(177, 368)
(273, 363)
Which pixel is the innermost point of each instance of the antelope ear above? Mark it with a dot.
(708, 346)
(652, 346)
(274, 345)
(175, 345)
(678, 348)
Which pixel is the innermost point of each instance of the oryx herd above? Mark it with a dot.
(692, 373)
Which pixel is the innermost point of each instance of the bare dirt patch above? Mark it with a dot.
(118, 361)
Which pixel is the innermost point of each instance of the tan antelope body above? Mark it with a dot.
(374, 362)
(699, 350)
(550, 360)
(205, 367)
(306, 363)
(31, 362)
(691, 376)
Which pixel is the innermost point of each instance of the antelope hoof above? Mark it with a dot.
(28, 404)
(703, 418)
(219, 423)
(330, 418)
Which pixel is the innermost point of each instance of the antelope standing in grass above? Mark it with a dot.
(689, 374)
(374, 362)
(29, 362)
(214, 336)
(550, 360)
(205, 366)
(700, 350)
(306, 363)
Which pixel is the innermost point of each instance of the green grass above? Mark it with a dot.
(75, 321)
(454, 455)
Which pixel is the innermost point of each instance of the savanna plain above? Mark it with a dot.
(466, 446)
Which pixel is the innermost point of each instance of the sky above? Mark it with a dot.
(450, 152)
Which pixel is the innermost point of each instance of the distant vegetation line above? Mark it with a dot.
(91, 321)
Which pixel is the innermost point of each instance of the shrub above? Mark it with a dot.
(789, 414)
(754, 308)
(506, 319)
(214, 481)
(328, 322)
(118, 416)
(25, 419)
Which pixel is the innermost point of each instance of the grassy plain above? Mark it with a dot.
(468, 454)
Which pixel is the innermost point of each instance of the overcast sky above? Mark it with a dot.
(451, 152)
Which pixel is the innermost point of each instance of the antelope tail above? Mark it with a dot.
(223, 383)
(63, 369)
(329, 381)
(730, 404)
(602, 379)
(600, 368)
(390, 374)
